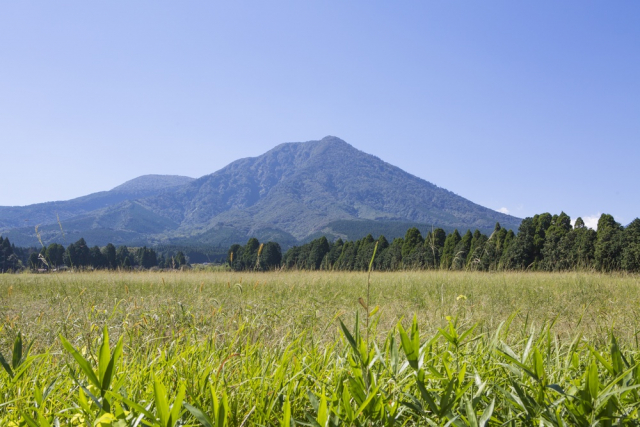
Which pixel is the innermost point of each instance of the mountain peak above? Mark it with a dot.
(293, 191)
(152, 182)
(330, 139)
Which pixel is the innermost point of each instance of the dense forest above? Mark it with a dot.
(80, 255)
(543, 243)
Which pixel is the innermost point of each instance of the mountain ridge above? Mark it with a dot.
(293, 191)
(50, 212)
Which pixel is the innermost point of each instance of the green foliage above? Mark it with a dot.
(9, 262)
(544, 242)
(448, 251)
(631, 251)
(255, 256)
(412, 240)
(609, 244)
(191, 350)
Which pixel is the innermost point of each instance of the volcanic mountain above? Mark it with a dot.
(292, 193)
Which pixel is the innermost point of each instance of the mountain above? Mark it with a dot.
(291, 193)
(48, 213)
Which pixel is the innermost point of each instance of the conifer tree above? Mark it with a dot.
(109, 253)
(461, 252)
(608, 247)
(412, 239)
(631, 252)
(450, 243)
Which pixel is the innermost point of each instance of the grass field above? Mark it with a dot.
(268, 349)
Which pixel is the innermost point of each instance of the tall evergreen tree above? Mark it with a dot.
(271, 256)
(250, 253)
(180, 260)
(55, 255)
(583, 250)
(541, 224)
(461, 251)
(631, 252)
(234, 257)
(109, 253)
(554, 251)
(493, 248)
(450, 243)
(124, 258)
(147, 258)
(478, 253)
(365, 252)
(608, 247)
(521, 252)
(347, 259)
(392, 259)
(334, 252)
(319, 248)
(412, 239)
(96, 259)
(383, 245)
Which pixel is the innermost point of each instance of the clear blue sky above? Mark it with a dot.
(531, 107)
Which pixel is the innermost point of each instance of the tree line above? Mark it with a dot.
(255, 256)
(544, 242)
(80, 256)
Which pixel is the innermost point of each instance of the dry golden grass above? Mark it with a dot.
(162, 303)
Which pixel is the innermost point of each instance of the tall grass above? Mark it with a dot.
(267, 349)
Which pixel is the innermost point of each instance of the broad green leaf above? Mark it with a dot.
(105, 420)
(6, 366)
(199, 415)
(104, 356)
(109, 372)
(176, 409)
(162, 406)
(349, 337)
(29, 420)
(17, 351)
(471, 414)
(130, 403)
(223, 410)
(323, 412)
(82, 362)
(486, 415)
(364, 404)
(409, 350)
(286, 413)
(593, 384)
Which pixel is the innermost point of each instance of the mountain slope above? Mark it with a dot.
(302, 187)
(292, 192)
(48, 213)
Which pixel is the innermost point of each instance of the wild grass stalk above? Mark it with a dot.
(124, 348)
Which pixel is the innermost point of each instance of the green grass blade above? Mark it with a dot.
(162, 406)
(82, 362)
(199, 415)
(104, 356)
(286, 413)
(6, 366)
(113, 360)
(176, 409)
(17, 351)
